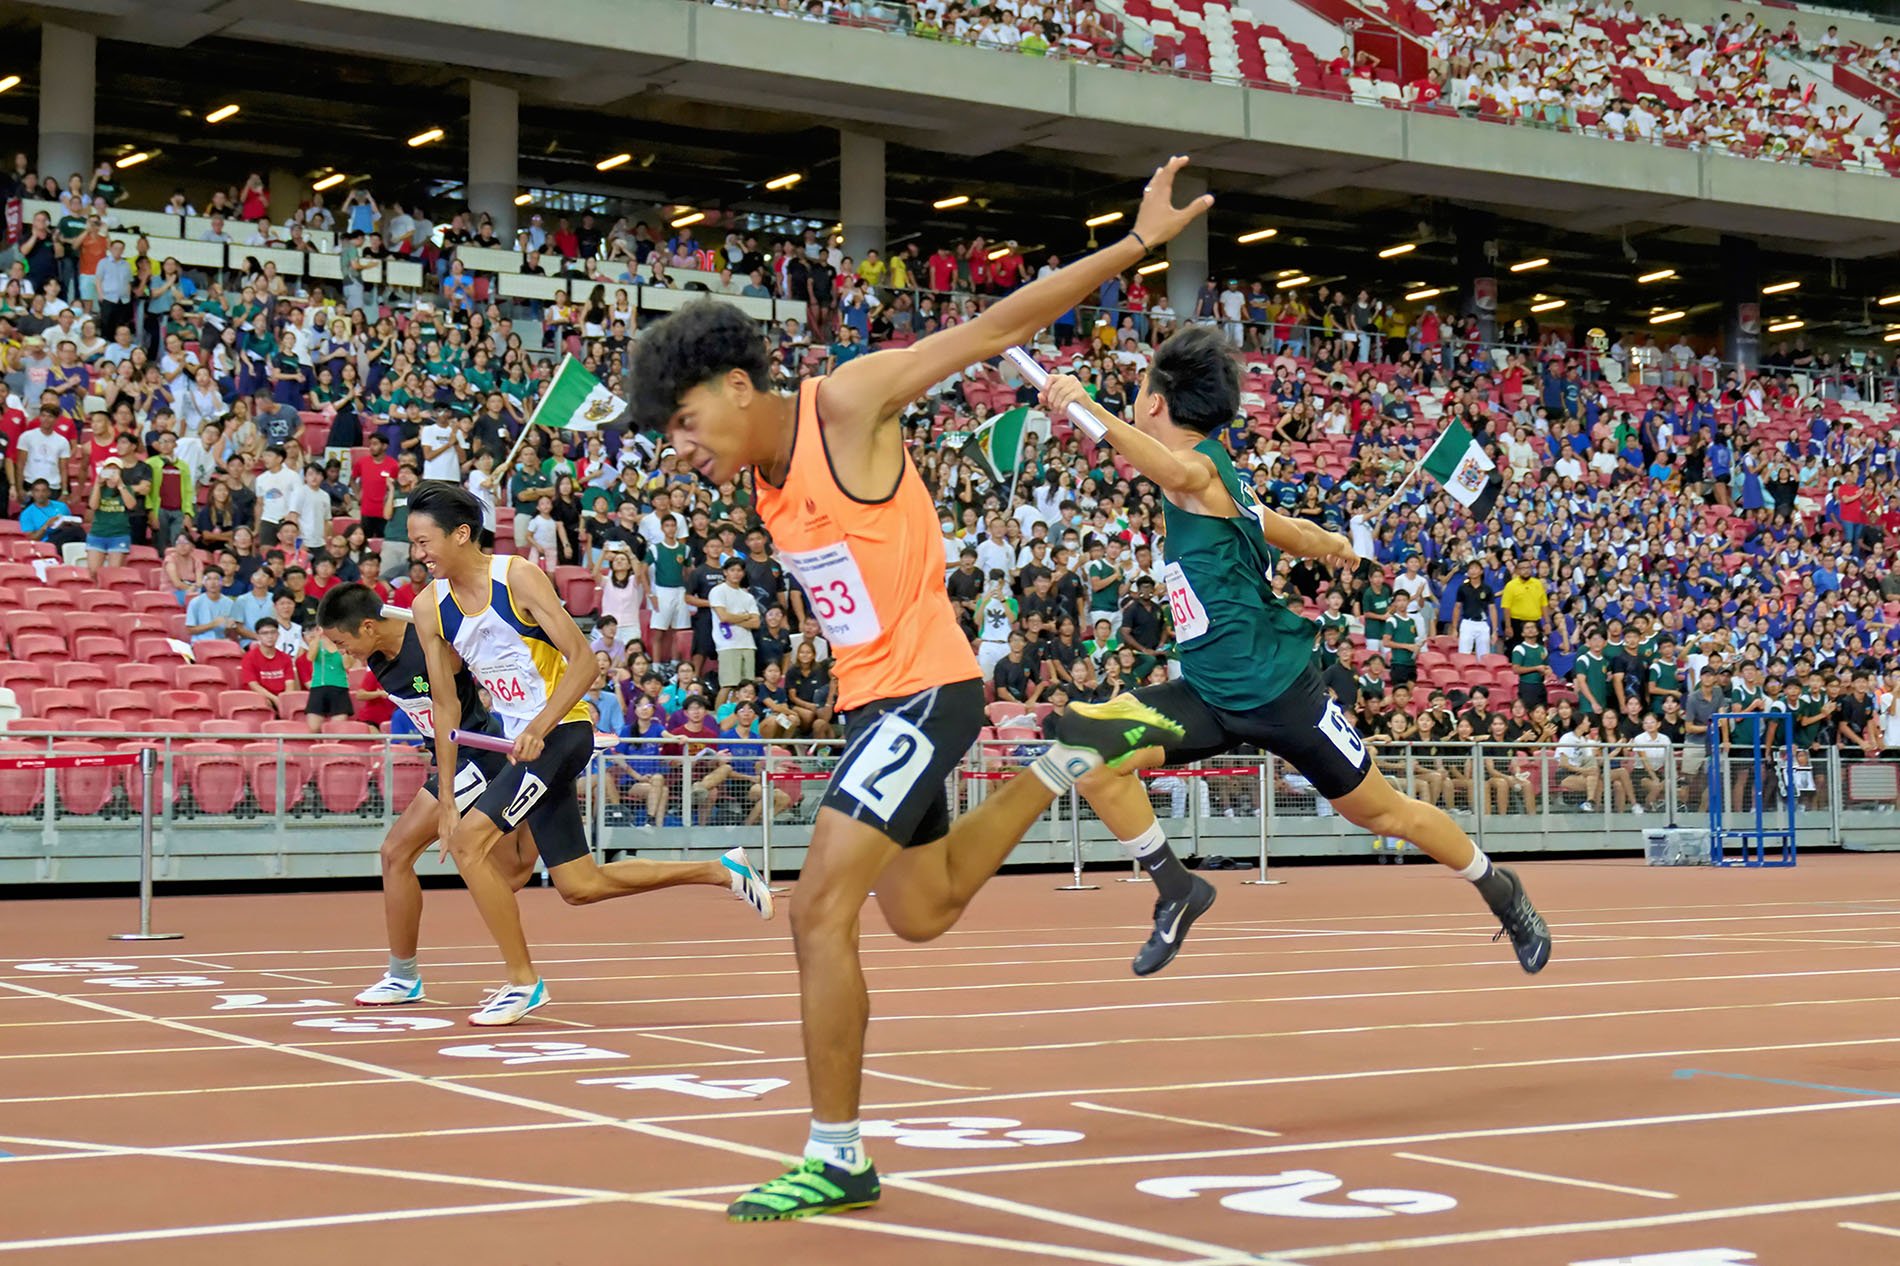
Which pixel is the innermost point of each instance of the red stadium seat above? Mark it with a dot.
(346, 725)
(343, 773)
(102, 600)
(246, 705)
(408, 770)
(153, 600)
(42, 622)
(580, 593)
(135, 676)
(53, 698)
(21, 790)
(215, 650)
(296, 702)
(262, 761)
(129, 705)
(85, 790)
(81, 676)
(43, 598)
(172, 702)
(209, 678)
(215, 773)
(72, 578)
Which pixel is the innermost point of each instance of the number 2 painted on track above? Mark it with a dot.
(1291, 1195)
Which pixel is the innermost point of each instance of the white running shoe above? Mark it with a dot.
(510, 1003)
(390, 991)
(747, 884)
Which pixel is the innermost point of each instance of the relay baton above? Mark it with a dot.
(496, 743)
(1039, 378)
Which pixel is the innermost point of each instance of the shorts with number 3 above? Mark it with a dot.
(1304, 726)
(898, 754)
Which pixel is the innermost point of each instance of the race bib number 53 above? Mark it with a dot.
(839, 597)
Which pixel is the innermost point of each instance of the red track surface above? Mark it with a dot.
(1353, 1031)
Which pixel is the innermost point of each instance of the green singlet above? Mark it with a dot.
(1239, 648)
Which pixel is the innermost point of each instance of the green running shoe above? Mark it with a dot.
(806, 1190)
(1115, 730)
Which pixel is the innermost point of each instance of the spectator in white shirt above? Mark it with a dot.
(441, 450)
(44, 452)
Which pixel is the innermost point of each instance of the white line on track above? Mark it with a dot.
(674, 1037)
(916, 1081)
(1095, 1226)
(1534, 1176)
(1869, 1228)
(1322, 1251)
(284, 1224)
(1173, 1120)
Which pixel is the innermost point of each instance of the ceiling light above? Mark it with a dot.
(1258, 235)
(1549, 305)
(786, 181)
(1889, 300)
(1781, 287)
(1287, 272)
(1891, 336)
(1663, 318)
(132, 160)
(944, 204)
(998, 253)
(523, 199)
(9, 83)
(1430, 292)
(330, 181)
(1524, 266)
(1661, 274)
(1782, 327)
(618, 160)
(429, 137)
(220, 114)
(691, 217)
(1159, 266)
(1097, 221)
(1287, 283)
(1403, 248)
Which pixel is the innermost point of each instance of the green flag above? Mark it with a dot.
(1462, 469)
(576, 401)
(999, 441)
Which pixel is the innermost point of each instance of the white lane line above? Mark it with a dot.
(302, 980)
(317, 1140)
(1586, 1228)
(691, 1041)
(285, 1224)
(915, 1081)
(203, 962)
(1172, 1120)
(1096, 1226)
(1869, 1228)
(1535, 1176)
(1400, 1140)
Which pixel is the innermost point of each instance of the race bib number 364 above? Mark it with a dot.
(839, 597)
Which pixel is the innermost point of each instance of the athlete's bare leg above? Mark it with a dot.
(414, 831)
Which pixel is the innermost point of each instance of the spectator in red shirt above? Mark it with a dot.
(267, 671)
(372, 701)
(942, 266)
(325, 578)
(374, 473)
(404, 594)
(1426, 90)
(370, 572)
(1852, 499)
(1006, 270)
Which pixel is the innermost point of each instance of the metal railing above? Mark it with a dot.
(273, 807)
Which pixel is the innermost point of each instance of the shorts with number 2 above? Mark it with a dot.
(1304, 727)
(898, 754)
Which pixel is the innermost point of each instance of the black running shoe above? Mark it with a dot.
(1529, 935)
(806, 1190)
(1172, 921)
(1114, 730)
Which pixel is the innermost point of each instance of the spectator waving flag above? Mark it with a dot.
(1461, 467)
(999, 441)
(576, 401)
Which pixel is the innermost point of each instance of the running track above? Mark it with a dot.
(1340, 1069)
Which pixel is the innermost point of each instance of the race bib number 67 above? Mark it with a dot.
(839, 597)
(1190, 617)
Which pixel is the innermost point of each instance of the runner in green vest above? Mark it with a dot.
(1247, 660)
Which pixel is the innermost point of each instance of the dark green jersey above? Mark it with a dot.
(1595, 670)
(1373, 604)
(1807, 733)
(1663, 675)
(669, 565)
(1240, 649)
(1401, 642)
(1108, 597)
(1529, 655)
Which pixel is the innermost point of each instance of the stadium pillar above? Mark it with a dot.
(1187, 253)
(861, 193)
(1477, 270)
(494, 142)
(1741, 301)
(68, 81)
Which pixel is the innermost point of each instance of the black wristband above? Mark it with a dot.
(1138, 237)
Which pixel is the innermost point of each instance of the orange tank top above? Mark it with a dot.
(872, 572)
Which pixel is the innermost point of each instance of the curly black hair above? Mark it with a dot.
(702, 341)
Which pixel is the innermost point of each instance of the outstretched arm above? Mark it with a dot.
(875, 387)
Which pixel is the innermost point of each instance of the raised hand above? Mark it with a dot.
(1159, 220)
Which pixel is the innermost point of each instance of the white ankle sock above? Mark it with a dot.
(1147, 842)
(836, 1144)
(1480, 864)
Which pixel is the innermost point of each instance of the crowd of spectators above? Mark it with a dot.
(1730, 532)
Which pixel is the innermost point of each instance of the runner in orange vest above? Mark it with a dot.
(853, 521)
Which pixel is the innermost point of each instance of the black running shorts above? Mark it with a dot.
(540, 795)
(898, 754)
(1304, 726)
(475, 768)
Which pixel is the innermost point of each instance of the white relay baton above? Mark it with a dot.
(1039, 378)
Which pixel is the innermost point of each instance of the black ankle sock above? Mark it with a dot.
(1171, 878)
(1496, 888)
